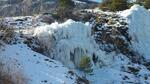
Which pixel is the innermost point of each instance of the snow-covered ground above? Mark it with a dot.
(67, 42)
(38, 69)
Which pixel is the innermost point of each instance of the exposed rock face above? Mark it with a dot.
(111, 33)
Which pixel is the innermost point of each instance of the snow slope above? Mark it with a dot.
(37, 68)
(139, 27)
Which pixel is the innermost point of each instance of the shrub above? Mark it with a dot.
(114, 5)
(65, 8)
(66, 3)
(85, 64)
(119, 5)
(105, 5)
(147, 4)
(6, 34)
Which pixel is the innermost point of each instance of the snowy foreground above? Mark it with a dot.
(66, 43)
(36, 67)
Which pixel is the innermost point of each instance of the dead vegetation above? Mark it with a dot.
(7, 34)
(10, 75)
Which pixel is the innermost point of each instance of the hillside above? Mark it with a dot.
(31, 7)
(116, 43)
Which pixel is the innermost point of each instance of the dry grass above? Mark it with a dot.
(7, 34)
(11, 75)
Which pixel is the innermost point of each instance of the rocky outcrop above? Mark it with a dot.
(111, 33)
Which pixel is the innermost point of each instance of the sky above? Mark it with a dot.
(96, 0)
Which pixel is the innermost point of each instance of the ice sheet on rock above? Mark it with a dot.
(139, 27)
(70, 41)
